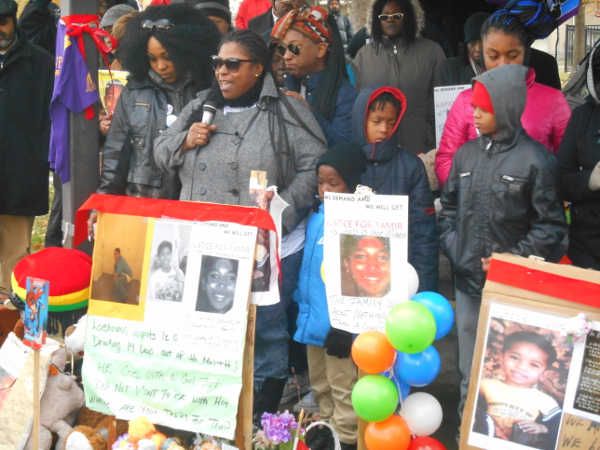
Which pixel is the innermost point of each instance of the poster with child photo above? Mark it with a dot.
(522, 382)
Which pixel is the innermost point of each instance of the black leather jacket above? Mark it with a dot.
(499, 198)
(128, 159)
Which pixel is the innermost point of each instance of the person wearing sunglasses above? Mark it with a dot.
(398, 57)
(167, 51)
(311, 46)
(255, 127)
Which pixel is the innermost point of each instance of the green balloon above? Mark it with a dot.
(410, 327)
(374, 398)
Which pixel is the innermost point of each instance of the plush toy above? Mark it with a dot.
(8, 320)
(99, 421)
(171, 444)
(59, 405)
(146, 444)
(75, 337)
(85, 438)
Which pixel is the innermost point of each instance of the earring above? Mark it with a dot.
(257, 75)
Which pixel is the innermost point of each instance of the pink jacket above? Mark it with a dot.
(544, 119)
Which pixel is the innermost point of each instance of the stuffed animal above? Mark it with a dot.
(85, 438)
(8, 320)
(61, 401)
(75, 337)
(99, 421)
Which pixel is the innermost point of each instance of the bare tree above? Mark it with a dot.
(358, 13)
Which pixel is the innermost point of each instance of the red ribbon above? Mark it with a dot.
(79, 24)
(558, 286)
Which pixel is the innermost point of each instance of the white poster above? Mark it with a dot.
(365, 250)
(444, 98)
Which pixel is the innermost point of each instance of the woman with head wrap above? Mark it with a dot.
(579, 164)
(312, 49)
(255, 127)
(399, 58)
(167, 50)
(506, 36)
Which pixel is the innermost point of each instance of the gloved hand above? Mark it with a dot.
(338, 343)
(594, 183)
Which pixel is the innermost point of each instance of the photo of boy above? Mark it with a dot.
(366, 261)
(523, 383)
(218, 282)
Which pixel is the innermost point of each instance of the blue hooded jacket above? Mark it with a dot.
(313, 316)
(392, 171)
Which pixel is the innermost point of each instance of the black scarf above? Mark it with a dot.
(247, 99)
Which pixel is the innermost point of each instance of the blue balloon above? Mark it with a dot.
(418, 369)
(440, 308)
(403, 388)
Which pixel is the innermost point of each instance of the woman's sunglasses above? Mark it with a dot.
(232, 64)
(386, 17)
(160, 24)
(293, 48)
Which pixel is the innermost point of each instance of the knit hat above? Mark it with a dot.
(311, 22)
(8, 8)
(473, 26)
(481, 98)
(216, 8)
(111, 16)
(349, 160)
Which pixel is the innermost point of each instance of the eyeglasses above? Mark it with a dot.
(160, 24)
(293, 48)
(386, 17)
(232, 64)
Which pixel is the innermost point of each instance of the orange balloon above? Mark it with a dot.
(372, 352)
(391, 434)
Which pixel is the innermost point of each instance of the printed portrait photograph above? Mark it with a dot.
(168, 261)
(218, 283)
(119, 259)
(522, 385)
(365, 266)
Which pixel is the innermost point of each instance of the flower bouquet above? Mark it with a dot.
(277, 432)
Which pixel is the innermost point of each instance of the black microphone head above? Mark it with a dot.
(210, 107)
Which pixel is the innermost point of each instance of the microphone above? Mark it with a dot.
(208, 112)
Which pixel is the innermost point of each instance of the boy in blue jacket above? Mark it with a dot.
(332, 371)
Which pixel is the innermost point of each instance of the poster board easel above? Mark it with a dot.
(543, 295)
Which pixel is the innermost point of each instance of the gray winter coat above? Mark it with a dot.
(220, 171)
(345, 26)
(414, 71)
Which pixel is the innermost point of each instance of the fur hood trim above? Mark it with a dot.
(419, 13)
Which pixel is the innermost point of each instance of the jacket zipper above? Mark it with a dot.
(395, 50)
(507, 178)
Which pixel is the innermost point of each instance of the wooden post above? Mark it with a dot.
(112, 432)
(83, 138)
(36, 399)
(243, 432)
(362, 424)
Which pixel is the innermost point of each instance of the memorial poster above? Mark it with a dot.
(165, 338)
(444, 97)
(365, 252)
(110, 87)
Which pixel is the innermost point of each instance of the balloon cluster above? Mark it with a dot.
(395, 361)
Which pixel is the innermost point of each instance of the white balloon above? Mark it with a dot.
(423, 413)
(412, 280)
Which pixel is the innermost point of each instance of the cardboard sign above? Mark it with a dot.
(444, 97)
(365, 252)
(36, 312)
(528, 310)
(168, 314)
(110, 88)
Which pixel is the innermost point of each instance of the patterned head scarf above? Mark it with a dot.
(311, 22)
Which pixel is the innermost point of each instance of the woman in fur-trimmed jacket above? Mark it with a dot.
(397, 57)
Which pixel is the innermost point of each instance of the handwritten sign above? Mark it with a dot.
(579, 433)
(587, 396)
(16, 416)
(444, 98)
(366, 248)
(181, 366)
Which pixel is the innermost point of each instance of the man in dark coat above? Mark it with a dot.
(265, 22)
(26, 84)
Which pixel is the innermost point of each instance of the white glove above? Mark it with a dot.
(594, 183)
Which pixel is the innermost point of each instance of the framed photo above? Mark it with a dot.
(532, 376)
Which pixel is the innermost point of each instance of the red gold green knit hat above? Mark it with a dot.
(68, 271)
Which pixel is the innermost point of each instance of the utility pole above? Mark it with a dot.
(579, 40)
(83, 138)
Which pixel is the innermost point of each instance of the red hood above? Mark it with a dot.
(396, 93)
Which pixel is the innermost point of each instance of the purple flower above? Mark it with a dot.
(279, 427)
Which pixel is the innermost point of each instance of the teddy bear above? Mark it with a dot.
(85, 438)
(61, 401)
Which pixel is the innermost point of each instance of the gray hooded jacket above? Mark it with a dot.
(219, 172)
(501, 195)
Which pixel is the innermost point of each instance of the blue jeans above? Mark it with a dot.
(271, 342)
